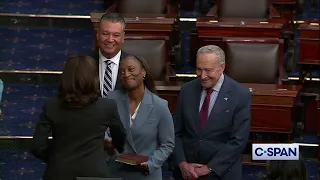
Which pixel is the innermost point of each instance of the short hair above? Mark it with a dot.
(148, 79)
(115, 18)
(79, 85)
(213, 49)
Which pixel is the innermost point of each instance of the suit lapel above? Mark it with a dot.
(124, 110)
(223, 97)
(144, 111)
(198, 91)
(123, 55)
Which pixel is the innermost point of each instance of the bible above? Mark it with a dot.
(132, 158)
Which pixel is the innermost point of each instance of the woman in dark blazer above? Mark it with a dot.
(77, 120)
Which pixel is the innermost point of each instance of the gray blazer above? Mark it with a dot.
(151, 134)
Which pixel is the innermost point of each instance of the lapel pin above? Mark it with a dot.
(225, 98)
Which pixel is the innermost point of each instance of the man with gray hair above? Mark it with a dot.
(212, 122)
(110, 38)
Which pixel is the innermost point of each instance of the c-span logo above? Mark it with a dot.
(275, 152)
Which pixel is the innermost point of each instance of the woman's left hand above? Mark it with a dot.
(144, 165)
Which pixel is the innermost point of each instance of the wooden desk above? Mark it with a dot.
(142, 25)
(309, 47)
(271, 110)
(147, 28)
(311, 115)
(171, 7)
(239, 27)
(309, 42)
(213, 31)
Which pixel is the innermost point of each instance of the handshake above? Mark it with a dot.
(108, 146)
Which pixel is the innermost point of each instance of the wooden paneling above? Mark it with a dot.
(213, 31)
(309, 43)
(271, 110)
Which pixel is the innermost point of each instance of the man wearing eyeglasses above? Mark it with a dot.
(212, 122)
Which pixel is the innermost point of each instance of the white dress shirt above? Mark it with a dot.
(213, 96)
(133, 117)
(114, 68)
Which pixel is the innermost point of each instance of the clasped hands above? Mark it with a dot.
(111, 150)
(191, 171)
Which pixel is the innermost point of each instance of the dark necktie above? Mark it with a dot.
(205, 109)
(107, 80)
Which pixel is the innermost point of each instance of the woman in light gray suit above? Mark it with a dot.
(147, 119)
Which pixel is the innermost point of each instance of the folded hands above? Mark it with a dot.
(192, 171)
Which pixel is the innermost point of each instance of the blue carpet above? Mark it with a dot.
(21, 108)
(309, 10)
(42, 48)
(20, 165)
(57, 7)
(307, 138)
(315, 73)
(189, 14)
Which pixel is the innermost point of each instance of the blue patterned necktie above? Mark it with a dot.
(107, 80)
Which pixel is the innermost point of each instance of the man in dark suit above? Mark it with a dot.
(110, 38)
(212, 122)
